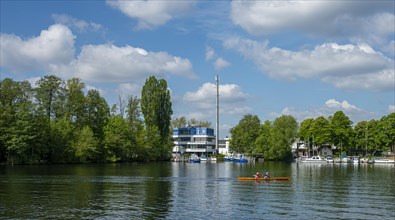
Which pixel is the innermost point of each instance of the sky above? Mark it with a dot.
(301, 58)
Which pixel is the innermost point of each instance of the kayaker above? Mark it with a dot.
(267, 175)
(257, 175)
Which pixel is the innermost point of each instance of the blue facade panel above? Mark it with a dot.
(193, 131)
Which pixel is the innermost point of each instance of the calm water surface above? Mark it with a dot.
(197, 191)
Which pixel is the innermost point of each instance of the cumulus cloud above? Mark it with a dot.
(330, 107)
(129, 89)
(232, 98)
(368, 21)
(53, 52)
(107, 62)
(54, 46)
(342, 106)
(391, 108)
(219, 62)
(151, 14)
(78, 24)
(348, 66)
(210, 53)
(317, 17)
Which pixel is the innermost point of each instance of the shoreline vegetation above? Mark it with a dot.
(56, 122)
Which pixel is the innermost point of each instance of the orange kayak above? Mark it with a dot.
(263, 179)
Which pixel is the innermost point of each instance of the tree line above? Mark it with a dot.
(56, 122)
(272, 140)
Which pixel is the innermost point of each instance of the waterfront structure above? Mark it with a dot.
(223, 146)
(193, 140)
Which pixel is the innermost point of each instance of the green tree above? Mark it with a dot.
(156, 107)
(341, 129)
(361, 136)
(97, 113)
(75, 104)
(263, 142)
(85, 145)
(62, 136)
(283, 135)
(17, 124)
(179, 122)
(387, 134)
(50, 94)
(305, 130)
(322, 131)
(244, 134)
(117, 141)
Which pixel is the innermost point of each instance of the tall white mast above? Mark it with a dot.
(217, 118)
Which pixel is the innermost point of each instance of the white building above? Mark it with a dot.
(193, 140)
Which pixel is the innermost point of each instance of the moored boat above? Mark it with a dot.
(313, 159)
(354, 160)
(194, 159)
(263, 179)
(383, 161)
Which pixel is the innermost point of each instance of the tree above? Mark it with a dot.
(360, 139)
(157, 110)
(179, 122)
(263, 142)
(75, 101)
(244, 134)
(283, 135)
(305, 130)
(50, 94)
(341, 129)
(117, 142)
(85, 145)
(97, 112)
(387, 124)
(62, 136)
(133, 111)
(17, 124)
(322, 132)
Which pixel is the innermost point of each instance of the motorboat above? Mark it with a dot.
(383, 161)
(313, 159)
(354, 160)
(329, 159)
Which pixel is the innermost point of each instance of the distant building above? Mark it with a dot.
(193, 140)
(223, 146)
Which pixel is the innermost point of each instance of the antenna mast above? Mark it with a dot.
(217, 118)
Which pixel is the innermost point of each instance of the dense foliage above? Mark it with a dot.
(55, 122)
(273, 139)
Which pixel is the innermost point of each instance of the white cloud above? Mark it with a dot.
(90, 87)
(330, 107)
(210, 53)
(205, 96)
(80, 25)
(359, 21)
(221, 63)
(129, 89)
(316, 17)
(107, 62)
(391, 108)
(354, 67)
(151, 14)
(342, 106)
(53, 52)
(54, 46)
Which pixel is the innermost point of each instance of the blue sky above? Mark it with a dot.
(300, 58)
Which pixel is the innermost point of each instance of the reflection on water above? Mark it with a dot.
(202, 191)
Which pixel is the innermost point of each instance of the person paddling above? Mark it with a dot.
(257, 175)
(267, 175)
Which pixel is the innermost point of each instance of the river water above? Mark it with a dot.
(171, 190)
